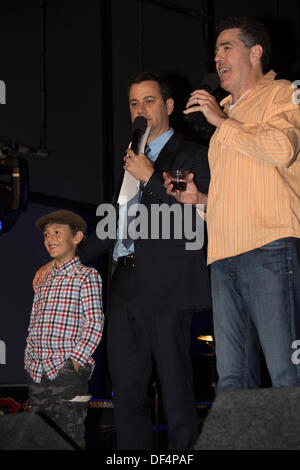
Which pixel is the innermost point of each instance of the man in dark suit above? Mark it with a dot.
(156, 285)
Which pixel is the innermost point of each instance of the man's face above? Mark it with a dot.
(145, 100)
(233, 62)
(60, 242)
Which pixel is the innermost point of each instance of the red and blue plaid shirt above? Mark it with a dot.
(66, 319)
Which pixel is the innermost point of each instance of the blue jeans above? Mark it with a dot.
(256, 302)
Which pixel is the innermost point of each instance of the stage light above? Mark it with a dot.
(14, 179)
(206, 338)
(13, 191)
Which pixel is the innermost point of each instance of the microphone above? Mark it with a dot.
(139, 127)
(197, 121)
(210, 84)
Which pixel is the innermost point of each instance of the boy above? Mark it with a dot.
(65, 328)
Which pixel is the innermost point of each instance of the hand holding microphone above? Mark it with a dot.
(139, 127)
(204, 101)
(137, 164)
(201, 100)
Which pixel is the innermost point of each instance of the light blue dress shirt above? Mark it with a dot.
(155, 148)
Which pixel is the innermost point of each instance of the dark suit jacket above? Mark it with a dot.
(168, 276)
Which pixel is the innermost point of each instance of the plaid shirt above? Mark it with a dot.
(66, 319)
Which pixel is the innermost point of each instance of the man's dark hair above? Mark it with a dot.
(252, 32)
(163, 84)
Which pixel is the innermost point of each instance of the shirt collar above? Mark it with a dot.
(157, 144)
(266, 79)
(67, 266)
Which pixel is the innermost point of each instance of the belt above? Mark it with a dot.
(126, 261)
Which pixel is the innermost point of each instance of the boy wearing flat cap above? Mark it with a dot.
(65, 328)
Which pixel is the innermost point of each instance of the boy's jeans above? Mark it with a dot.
(256, 299)
(50, 398)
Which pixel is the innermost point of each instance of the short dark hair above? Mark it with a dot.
(164, 85)
(252, 32)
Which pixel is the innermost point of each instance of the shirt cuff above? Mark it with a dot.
(201, 212)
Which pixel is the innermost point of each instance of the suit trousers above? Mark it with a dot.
(135, 334)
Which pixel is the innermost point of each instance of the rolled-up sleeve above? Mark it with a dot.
(276, 139)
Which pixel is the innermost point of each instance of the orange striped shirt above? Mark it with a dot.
(254, 193)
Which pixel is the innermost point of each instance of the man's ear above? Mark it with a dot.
(170, 105)
(78, 237)
(256, 53)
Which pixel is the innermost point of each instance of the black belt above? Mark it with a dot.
(126, 261)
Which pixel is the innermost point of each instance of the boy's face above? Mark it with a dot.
(60, 242)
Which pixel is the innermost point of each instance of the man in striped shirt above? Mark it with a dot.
(253, 210)
(65, 328)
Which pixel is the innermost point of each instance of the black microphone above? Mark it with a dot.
(139, 127)
(210, 83)
(197, 121)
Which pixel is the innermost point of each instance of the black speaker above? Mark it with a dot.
(29, 431)
(262, 419)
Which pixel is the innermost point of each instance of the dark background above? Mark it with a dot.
(91, 48)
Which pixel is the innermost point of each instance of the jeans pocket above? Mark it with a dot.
(69, 368)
